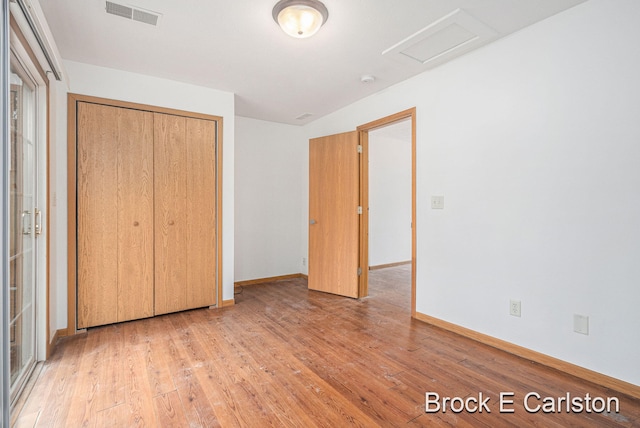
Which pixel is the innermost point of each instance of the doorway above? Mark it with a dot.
(390, 212)
(339, 235)
(390, 195)
(404, 124)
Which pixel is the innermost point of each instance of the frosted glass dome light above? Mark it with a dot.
(300, 18)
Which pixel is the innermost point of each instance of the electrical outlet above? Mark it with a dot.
(581, 324)
(304, 261)
(437, 202)
(514, 308)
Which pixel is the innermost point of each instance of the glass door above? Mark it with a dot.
(24, 225)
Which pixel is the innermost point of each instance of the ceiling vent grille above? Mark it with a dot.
(304, 116)
(133, 13)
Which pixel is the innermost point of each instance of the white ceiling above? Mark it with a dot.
(235, 46)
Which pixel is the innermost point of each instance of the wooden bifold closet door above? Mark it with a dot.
(146, 214)
(184, 213)
(115, 214)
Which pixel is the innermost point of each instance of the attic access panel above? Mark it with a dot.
(450, 36)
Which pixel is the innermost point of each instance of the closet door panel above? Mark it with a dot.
(97, 215)
(201, 213)
(170, 190)
(135, 214)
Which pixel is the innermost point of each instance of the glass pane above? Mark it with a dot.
(22, 244)
(14, 173)
(27, 278)
(27, 342)
(15, 332)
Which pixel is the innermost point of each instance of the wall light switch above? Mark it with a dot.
(581, 324)
(437, 202)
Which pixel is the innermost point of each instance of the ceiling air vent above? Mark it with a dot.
(303, 116)
(134, 13)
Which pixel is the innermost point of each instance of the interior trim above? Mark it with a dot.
(537, 357)
(363, 131)
(269, 279)
(51, 345)
(5, 162)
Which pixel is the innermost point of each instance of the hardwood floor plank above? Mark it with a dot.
(111, 367)
(64, 378)
(32, 405)
(81, 413)
(284, 381)
(197, 407)
(249, 380)
(112, 417)
(169, 411)
(27, 420)
(158, 371)
(287, 356)
(371, 396)
(138, 394)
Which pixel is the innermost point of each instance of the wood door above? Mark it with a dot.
(135, 215)
(114, 214)
(185, 212)
(170, 213)
(201, 213)
(333, 214)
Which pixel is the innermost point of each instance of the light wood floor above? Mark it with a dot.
(286, 356)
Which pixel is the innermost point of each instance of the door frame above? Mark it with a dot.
(363, 136)
(5, 226)
(21, 49)
(72, 284)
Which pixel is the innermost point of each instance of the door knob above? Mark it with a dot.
(312, 221)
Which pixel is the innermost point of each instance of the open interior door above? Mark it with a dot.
(334, 184)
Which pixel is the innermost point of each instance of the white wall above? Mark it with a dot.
(533, 141)
(268, 196)
(57, 206)
(119, 85)
(389, 196)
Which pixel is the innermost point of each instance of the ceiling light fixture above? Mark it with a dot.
(300, 18)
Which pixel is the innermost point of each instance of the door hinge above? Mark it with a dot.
(359, 271)
(359, 210)
(359, 148)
